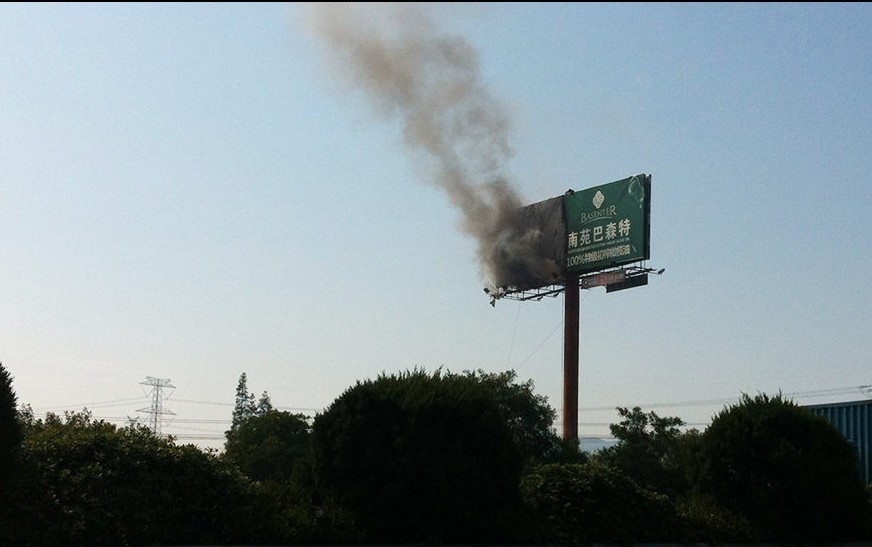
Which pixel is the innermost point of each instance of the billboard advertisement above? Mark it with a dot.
(578, 233)
(608, 225)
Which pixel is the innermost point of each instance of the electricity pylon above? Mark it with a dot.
(156, 410)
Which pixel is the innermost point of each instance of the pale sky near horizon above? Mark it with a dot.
(188, 193)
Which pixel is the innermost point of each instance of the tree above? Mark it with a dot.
(791, 474)
(270, 447)
(264, 405)
(420, 457)
(10, 441)
(649, 451)
(244, 406)
(593, 503)
(10, 427)
(89, 482)
(528, 415)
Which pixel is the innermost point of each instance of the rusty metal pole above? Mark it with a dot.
(570, 359)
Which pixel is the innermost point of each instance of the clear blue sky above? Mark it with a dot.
(189, 192)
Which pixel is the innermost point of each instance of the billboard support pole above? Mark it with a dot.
(570, 358)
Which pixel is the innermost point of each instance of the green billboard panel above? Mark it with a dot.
(608, 225)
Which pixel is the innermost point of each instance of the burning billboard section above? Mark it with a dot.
(528, 252)
(556, 241)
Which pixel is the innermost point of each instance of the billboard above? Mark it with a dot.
(608, 225)
(532, 249)
(578, 233)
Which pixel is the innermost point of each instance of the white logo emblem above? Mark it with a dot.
(598, 199)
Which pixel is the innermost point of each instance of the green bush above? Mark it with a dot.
(419, 457)
(792, 475)
(89, 482)
(273, 446)
(592, 503)
(651, 450)
(711, 523)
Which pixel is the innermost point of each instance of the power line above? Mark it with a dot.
(92, 405)
(198, 437)
(214, 403)
(727, 400)
(157, 411)
(550, 334)
(862, 389)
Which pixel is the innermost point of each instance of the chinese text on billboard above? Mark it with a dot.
(608, 225)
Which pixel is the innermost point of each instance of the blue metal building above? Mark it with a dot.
(854, 420)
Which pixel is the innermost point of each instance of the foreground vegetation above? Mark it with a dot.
(431, 458)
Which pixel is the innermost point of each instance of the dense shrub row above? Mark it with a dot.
(431, 458)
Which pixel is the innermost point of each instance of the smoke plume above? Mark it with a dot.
(429, 80)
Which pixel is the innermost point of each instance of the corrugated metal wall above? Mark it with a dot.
(854, 420)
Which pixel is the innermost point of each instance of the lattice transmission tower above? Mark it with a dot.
(156, 411)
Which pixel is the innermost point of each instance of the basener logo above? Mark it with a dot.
(607, 212)
(598, 199)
